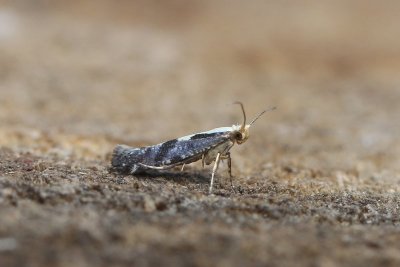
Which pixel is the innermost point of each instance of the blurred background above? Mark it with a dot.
(78, 77)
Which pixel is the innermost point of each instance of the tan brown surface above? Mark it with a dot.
(317, 184)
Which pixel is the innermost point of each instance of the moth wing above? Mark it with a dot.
(183, 150)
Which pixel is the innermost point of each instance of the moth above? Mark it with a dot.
(210, 146)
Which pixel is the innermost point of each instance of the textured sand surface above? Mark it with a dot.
(317, 183)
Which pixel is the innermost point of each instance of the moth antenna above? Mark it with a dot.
(259, 115)
(244, 115)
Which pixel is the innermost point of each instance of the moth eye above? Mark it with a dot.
(238, 135)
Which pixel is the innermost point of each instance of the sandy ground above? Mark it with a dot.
(317, 183)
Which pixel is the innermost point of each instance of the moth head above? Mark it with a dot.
(241, 132)
(241, 135)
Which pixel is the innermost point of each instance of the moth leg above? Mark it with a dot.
(202, 160)
(155, 167)
(228, 157)
(183, 166)
(230, 167)
(217, 159)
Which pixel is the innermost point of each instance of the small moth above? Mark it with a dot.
(210, 146)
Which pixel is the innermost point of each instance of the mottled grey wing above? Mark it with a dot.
(176, 152)
(167, 154)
